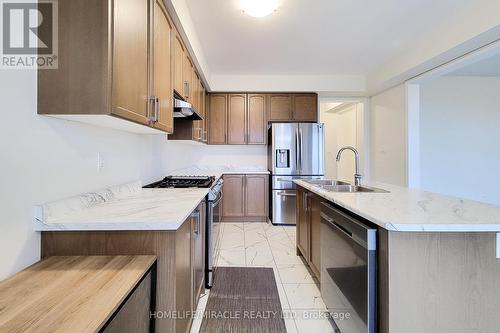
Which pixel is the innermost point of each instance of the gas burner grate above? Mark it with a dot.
(183, 182)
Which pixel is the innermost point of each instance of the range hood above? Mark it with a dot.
(185, 110)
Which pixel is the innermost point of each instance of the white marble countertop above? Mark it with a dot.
(135, 209)
(410, 210)
(130, 207)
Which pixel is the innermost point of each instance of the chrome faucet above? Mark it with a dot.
(357, 175)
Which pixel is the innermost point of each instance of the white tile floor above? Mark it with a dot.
(265, 245)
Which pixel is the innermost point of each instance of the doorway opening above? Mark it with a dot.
(344, 125)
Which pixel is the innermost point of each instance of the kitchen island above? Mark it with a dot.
(437, 257)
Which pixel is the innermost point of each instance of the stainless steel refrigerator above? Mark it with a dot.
(295, 150)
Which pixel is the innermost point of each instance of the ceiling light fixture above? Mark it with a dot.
(259, 8)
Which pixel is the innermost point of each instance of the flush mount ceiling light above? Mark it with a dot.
(259, 8)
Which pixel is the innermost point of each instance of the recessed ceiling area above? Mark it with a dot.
(320, 37)
(486, 67)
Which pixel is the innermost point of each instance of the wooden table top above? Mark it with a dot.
(69, 294)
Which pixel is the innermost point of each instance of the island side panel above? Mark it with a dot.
(159, 243)
(441, 282)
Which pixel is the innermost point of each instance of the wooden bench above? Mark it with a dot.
(81, 294)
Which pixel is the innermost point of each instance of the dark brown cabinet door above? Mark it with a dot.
(183, 273)
(305, 107)
(256, 195)
(280, 107)
(233, 202)
(162, 74)
(236, 119)
(315, 226)
(196, 102)
(130, 60)
(178, 56)
(303, 223)
(217, 119)
(256, 119)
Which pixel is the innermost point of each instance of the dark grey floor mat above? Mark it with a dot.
(243, 300)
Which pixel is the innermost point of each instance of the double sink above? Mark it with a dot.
(340, 186)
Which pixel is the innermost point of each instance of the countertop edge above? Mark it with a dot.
(414, 228)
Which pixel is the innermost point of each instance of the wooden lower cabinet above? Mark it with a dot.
(133, 317)
(233, 202)
(308, 229)
(245, 198)
(180, 262)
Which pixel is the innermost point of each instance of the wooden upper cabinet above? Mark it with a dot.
(179, 55)
(233, 202)
(130, 60)
(217, 119)
(280, 107)
(256, 195)
(256, 119)
(115, 59)
(236, 120)
(305, 107)
(162, 69)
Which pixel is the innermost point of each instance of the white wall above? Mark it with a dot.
(388, 136)
(340, 130)
(45, 159)
(460, 137)
(470, 25)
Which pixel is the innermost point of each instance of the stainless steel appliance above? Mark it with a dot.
(348, 270)
(185, 110)
(295, 150)
(212, 243)
(183, 182)
(213, 213)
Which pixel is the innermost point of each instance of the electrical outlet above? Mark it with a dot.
(100, 161)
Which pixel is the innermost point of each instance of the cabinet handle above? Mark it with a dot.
(186, 89)
(153, 116)
(157, 110)
(197, 216)
(205, 136)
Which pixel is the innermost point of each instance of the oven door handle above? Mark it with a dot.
(218, 199)
(283, 194)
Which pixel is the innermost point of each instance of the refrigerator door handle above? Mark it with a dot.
(301, 148)
(296, 148)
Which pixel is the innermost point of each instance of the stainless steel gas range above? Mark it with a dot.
(213, 200)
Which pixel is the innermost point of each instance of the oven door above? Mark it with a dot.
(347, 272)
(213, 238)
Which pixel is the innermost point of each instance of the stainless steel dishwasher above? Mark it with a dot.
(348, 271)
